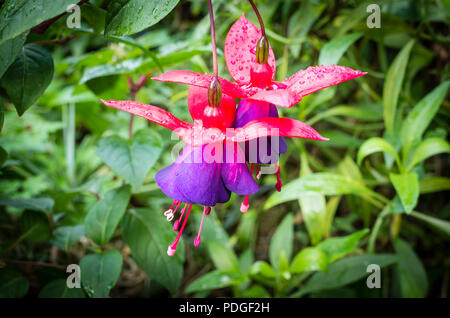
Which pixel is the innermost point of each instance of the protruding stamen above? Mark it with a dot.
(206, 211)
(173, 247)
(258, 172)
(176, 224)
(245, 205)
(279, 184)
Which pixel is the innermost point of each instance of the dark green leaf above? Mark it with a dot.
(100, 272)
(17, 16)
(65, 236)
(35, 227)
(131, 159)
(441, 226)
(412, 276)
(12, 283)
(127, 17)
(38, 204)
(3, 157)
(58, 289)
(9, 51)
(105, 215)
(28, 76)
(148, 235)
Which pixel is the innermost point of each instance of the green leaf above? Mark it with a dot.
(420, 117)
(434, 184)
(58, 289)
(212, 230)
(223, 257)
(35, 227)
(127, 17)
(344, 272)
(333, 50)
(17, 16)
(131, 159)
(37, 204)
(282, 241)
(412, 276)
(215, 280)
(125, 67)
(428, 148)
(100, 272)
(325, 183)
(65, 236)
(407, 187)
(12, 283)
(9, 51)
(337, 247)
(313, 208)
(256, 291)
(262, 268)
(148, 235)
(310, 259)
(28, 76)
(374, 145)
(442, 226)
(393, 85)
(105, 215)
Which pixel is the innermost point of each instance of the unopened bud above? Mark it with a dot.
(214, 93)
(262, 50)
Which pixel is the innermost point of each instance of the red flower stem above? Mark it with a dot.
(213, 40)
(261, 23)
(134, 89)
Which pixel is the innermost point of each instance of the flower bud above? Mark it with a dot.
(214, 93)
(262, 50)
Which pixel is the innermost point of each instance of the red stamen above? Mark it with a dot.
(245, 205)
(279, 184)
(176, 224)
(173, 247)
(206, 211)
(258, 172)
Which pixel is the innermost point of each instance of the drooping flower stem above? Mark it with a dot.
(213, 40)
(261, 23)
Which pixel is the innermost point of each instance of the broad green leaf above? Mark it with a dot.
(374, 145)
(313, 208)
(262, 268)
(282, 242)
(2, 114)
(131, 159)
(333, 50)
(428, 148)
(125, 67)
(325, 183)
(127, 17)
(412, 276)
(35, 227)
(105, 215)
(212, 230)
(441, 226)
(393, 85)
(215, 280)
(65, 236)
(9, 51)
(345, 271)
(148, 235)
(347, 111)
(17, 16)
(434, 184)
(407, 187)
(310, 259)
(58, 289)
(37, 204)
(28, 76)
(337, 247)
(223, 257)
(100, 272)
(420, 117)
(12, 283)
(256, 291)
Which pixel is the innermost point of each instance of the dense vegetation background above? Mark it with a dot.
(376, 193)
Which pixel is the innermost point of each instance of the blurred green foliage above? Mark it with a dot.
(76, 188)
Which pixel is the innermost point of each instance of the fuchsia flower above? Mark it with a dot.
(196, 179)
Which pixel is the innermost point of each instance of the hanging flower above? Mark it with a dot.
(211, 165)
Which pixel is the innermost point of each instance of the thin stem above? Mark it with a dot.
(213, 40)
(134, 89)
(36, 264)
(261, 23)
